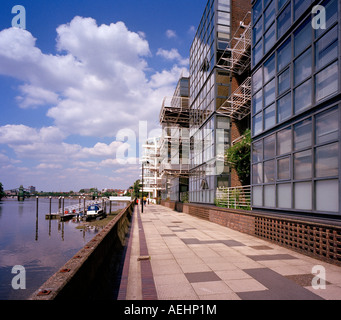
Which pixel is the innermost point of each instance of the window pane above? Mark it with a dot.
(256, 10)
(257, 31)
(284, 195)
(269, 117)
(257, 173)
(269, 15)
(269, 171)
(302, 96)
(327, 81)
(300, 6)
(284, 107)
(327, 126)
(284, 141)
(269, 147)
(269, 69)
(257, 196)
(257, 124)
(284, 21)
(327, 195)
(257, 102)
(326, 48)
(257, 151)
(302, 67)
(257, 80)
(269, 196)
(284, 81)
(303, 196)
(269, 38)
(257, 53)
(302, 165)
(281, 3)
(269, 93)
(327, 160)
(284, 55)
(302, 37)
(283, 169)
(331, 15)
(302, 134)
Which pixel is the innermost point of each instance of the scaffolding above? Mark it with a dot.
(175, 110)
(237, 56)
(238, 104)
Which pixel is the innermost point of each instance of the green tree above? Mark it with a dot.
(2, 193)
(238, 157)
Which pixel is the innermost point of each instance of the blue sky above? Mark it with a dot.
(82, 83)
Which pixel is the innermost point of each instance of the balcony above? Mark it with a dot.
(175, 110)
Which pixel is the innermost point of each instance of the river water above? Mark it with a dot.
(41, 246)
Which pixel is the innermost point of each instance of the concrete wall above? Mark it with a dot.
(76, 277)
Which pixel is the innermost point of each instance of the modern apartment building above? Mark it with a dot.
(296, 106)
(211, 85)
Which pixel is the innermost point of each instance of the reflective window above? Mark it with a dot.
(327, 161)
(257, 173)
(284, 21)
(257, 124)
(303, 134)
(269, 38)
(269, 69)
(269, 93)
(302, 96)
(283, 169)
(302, 67)
(257, 102)
(303, 165)
(257, 31)
(331, 15)
(257, 80)
(300, 6)
(302, 37)
(269, 171)
(284, 81)
(257, 10)
(269, 117)
(326, 48)
(269, 147)
(284, 55)
(284, 107)
(257, 52)
(284, 196)
(284, 141)
(303, 196)
(327, 195)
(327, 126)
(327, 81)
(269, 14)
(257, 151)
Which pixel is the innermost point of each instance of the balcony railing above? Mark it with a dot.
(234, 197)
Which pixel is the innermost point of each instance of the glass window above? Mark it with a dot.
(257, 53)
(302, 67)
(327, 126)
(257, 196)
(257, 124)
(257, 31)
(302, 96)
(257, 173)
(281, 3)
(257, 80)
(283, 169)
(269, 69)
(284, 55)
(257, 102)
(303, 196)
(300, 6)
(302, 37)
(326, 48)
(284, 21)
(269, 38)
(303, 165)
(269, 117)
(327, 81)
(302, 134)
(269, 196)
(331, 15)
(327, 160)
(269, 93)
(284, 141)
(284, 108)
(269, 15)
(257, 151)
(269, 147)
(257, 10)
(284, 196)
(284, 81)
(327, 195)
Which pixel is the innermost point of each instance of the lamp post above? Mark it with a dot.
(142, 184)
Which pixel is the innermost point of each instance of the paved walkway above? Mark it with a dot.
(193, 259)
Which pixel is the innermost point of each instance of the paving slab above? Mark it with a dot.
(194, 259)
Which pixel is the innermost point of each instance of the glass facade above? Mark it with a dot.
(295, 107)
(209, 88)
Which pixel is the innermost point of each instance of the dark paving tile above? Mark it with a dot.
(304, 280)
(261, 247)
(232, 243)
(168, 235)
(280, 288)
(191, 241)
(202, 276)
(264, 257)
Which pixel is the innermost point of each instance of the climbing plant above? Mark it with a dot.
(238, 157)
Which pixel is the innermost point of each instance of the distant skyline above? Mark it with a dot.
(81, 87)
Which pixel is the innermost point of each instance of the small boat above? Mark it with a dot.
(94, 211)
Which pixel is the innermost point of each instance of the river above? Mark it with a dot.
(41, 246)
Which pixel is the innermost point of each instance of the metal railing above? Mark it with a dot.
(234, 197)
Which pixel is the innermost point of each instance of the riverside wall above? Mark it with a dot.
(77, 278)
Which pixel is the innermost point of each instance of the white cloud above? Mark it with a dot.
(173, 55)
(170, 34)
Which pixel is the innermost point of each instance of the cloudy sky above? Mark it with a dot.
(82, 85)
